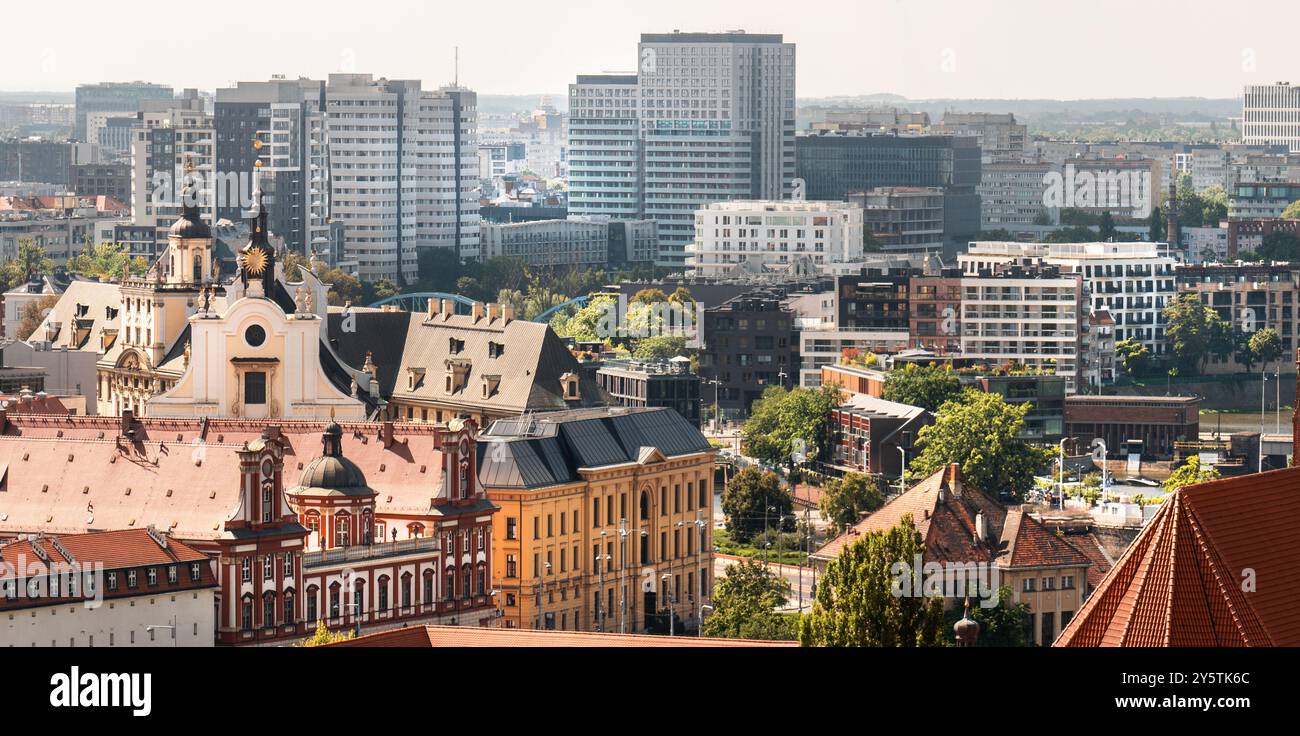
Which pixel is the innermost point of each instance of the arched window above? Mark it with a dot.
(368, 526)
(428, 587)
(481, 587)
(466, 581)
(382, 592)
(645, 504)
(246, 612)
(336, 603)
(359, 598)
(342, 527)
(405, 599)
(415, 531)
(288, 617)
(313, 595)
(449, 584)
(268, 610)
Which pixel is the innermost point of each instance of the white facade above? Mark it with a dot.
(1206, 244)
(404, 163)
(773, 233)
(821, 345)
(1030, 320)
(1011, 195)
(164, 148)
(604, 147)
(118, 622)
(1135, 281)
(1270, 114)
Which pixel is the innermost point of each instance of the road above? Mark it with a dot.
(800, 578)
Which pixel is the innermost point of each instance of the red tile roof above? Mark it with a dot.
(1030, 544)
(1180, 583)
(468, 636)
(113, 549)
(70, 474)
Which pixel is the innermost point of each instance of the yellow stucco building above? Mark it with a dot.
(605, 520)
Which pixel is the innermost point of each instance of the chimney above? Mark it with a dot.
(476, 311)
(386, 434)
(448, 308)
(952, 478)
(507, 314)
(432, 308)
(981, 527)
(493, 311)
(128, 423)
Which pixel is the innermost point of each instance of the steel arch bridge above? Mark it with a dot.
(419, 301)
(580, 302)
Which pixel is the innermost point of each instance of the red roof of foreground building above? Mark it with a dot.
(113, 549)
(1214, 567)
(469, 636)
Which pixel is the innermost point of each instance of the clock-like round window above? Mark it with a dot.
(255, 335)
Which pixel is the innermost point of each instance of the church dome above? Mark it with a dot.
(190, 225)
(331, 474)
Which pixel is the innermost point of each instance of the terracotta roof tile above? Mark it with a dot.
(468, 636)
(1181, 581)
(114, 549)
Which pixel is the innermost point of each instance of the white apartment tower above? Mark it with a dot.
(1270, 114)
(173, 143)
(714, 121)
(404, 165)
(776, 235)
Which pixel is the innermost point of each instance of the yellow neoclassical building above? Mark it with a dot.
(605, 520)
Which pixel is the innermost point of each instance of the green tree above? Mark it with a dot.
(845, 499)
(753, 502)
(438, 269)
(1006, 624)
(106, 261)
(1156, 225)
(373, 291)
(1134, 357)
(1195, 331)
(1279, 246)
(745, 600)
(323, 635)
(1292, 211)
(30, 261)
(344, 288)
(592, 322)
(33, 314)
(856, 605)
(1265, 345)
(660, 347)
(1106, 227)
(928, 387)
(788, 427)
(1190, 473)
(981, 433)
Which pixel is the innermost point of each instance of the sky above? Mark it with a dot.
(920, 49)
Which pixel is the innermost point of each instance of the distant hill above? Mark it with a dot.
(1189, 108)
(26, 98)
(501, 104)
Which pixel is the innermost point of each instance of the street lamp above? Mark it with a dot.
(668, 596)
(622, 571)
(703, 608)
(171, 627)
(902, 473)
(1263, 383)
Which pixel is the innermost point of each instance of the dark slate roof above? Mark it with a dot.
(381, 333)
(548, 449)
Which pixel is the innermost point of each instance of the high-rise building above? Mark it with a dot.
(1270, 114)
(171, 143)
(113, 97)
(281, 125)
(908, 219)
(709, 117)
(774, 234)
(605, 175)
(404, 165)
(1000, 137)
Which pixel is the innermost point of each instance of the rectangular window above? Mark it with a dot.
(255, 387)
(595, 512)
(511, 527)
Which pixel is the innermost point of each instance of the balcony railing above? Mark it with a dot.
(369, 551)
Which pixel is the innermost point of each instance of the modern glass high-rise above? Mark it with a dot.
(121, 97)
(715, 120)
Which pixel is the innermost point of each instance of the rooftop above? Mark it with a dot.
(467, 636)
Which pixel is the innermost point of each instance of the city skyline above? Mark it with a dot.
(969, 50)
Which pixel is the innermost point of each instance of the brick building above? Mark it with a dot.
(1156, 421)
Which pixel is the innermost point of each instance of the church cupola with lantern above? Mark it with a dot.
(257, 273)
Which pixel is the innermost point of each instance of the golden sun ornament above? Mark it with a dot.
(255, 261)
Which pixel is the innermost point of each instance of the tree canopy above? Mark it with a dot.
(856, 605)
(980, 432)
(745, 600)
(845, 499)
(1190, 473)
(789, 427)
(755, 501)
(925, 386)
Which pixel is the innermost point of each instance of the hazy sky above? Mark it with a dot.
(917, 48)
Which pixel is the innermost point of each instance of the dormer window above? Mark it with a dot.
(454, 346)
(490, 384)
(414, 377)
(496, 349)
(569, 384)
(457, 375)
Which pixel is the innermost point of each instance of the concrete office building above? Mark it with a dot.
(1011, 195)
(905, 219)
(709, 117)
(404, 165)
(113, 97)
(280, 124)
(577, 241)
(1023, 316)
(774, 234)
(1000, 137)
(1270, 114)
(173, 141)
